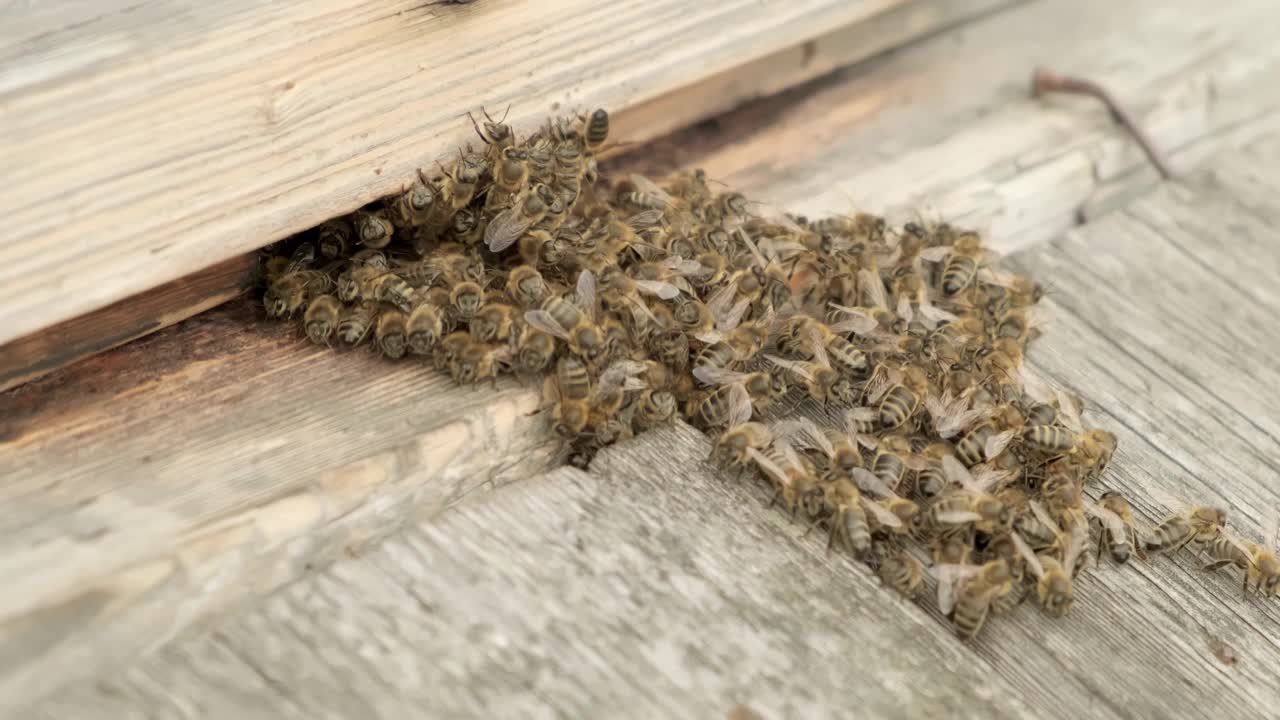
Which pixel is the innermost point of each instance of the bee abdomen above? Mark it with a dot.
(930, 482)
(957, 273)
(848, 357)
(969, 616)
(1049, 438)
(897, 407)
(857, 530)
(597, 130)
(889, 468)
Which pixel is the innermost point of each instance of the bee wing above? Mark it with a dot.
(1027, 553)
(621, 371)
(873, 287)
(544, 321)
(769, 467)
(957, 474)
(504, 229)
(739, 405)
(710, 375)
(816, 346)
(813, 435)
(991, 276)
(904, 310)
(644, 184)
(732, 317)
(997, 443)
(761, 261)
(1077, 544)
(987, 477)
(935, 254)
(957, 517)
(800, 369)
(952, 415)
(869, 483)
(852, 417)
(882, 514)
(645, 218)
(934, 316)
(586, 291)
(722, 300)
(1038, 510)
(1069, 411)
(1111, 521)
(950, 577)
(860, 321)
(1034, 385)
(664, 290)
(680, 266)
(1244, 549)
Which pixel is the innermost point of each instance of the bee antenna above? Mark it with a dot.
(475, 124)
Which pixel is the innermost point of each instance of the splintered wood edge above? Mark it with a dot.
(137, 233)
(81, 626)
(45, 350)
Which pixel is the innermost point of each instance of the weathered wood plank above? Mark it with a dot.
(950, 127)
(41, 353)
(623, 593)
(142, 143)
(210, 463)
(45, 350)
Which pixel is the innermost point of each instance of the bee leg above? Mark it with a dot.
(1210, 567)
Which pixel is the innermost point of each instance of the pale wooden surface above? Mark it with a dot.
(657, 586)
(261, 429)
(648, 589)
(84, 335)
(141, 142)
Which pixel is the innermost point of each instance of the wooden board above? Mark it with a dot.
(661, 587)
(893, 25)
(616, 594)
(41, 353)
(142, 143)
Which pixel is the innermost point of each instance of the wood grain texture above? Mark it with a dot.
(573, 596)
(623, 593)
(898, 23)
(43, 352)
(949, 128)
(208, 464)
(142, 142)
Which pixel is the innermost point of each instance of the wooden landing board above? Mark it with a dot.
(142, 143)
(949, 126)
(1156, 318)
(647, 589)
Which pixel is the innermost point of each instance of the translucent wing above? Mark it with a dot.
(952, 415)
(957, 474)
(950, 578)
(645, 218)
(1077, 543)
(761, 261)
(799, 369)
(710, 375)
(504, 229)
(816, 346)
(935, 254)
(877, 386)
(769, 467)
(853, 417)
(739, 405)
(1034, 385)
(679, 265)
(644, 184)
(1111, 521)
(991, 276)
(732, 317)
(1027, 554)
(958, 517)
(586, 291)
(987, 477)
(933, 315)
(997, 443)
(873, 287)
(617, 373)
(904, 310)
(664, 290)
(814, 435)
(869, 483)
(1069, 411)
(882, 514)
(1038, 510)
(722, 300)
(544, 321)
(859, 321)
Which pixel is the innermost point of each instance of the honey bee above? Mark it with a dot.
(458, 186)
(528, 207)
(478, 361)
(494, 322)
(567, 392)
(902, 572)
(1117, 533)
(450, 349)
(526, 286)
(571, 322)
(898, 393)
(889, 466)
(414, 205)
(321, 319)
(641, 193)
(510, 174)
(374, 229)
(391, 332)
(1258, 563)
(966, 593)
(426, 324)
(534, 350)
(962, 260)
(848, 517)
(763, 387)
(612, 386)
(495, 133)
(1200, 524)
(335, 238)
(970, 504)
(732, 445)
(384, 286)
(466, 298)
(595, 130)
(654, 408)
(355, 322)
(1054, 586)
(861, 227)
(290, 291)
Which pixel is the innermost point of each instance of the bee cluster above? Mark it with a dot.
(639, 303)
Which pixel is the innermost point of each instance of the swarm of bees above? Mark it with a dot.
(927, 449)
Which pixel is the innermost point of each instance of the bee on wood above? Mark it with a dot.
(495, 133)
(527, 208)
(901, 572)
(961, 261)
(335, 238)
(1200, 524)
(355, 322)
(293, 286)
(1258, 563)
(1117, 534)
(572, 322)
(730, 449)
(477, 361)
(567, 392)
(321, 319)
(374, 229)
(414, 205)
(966, 593)
(390, 333)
